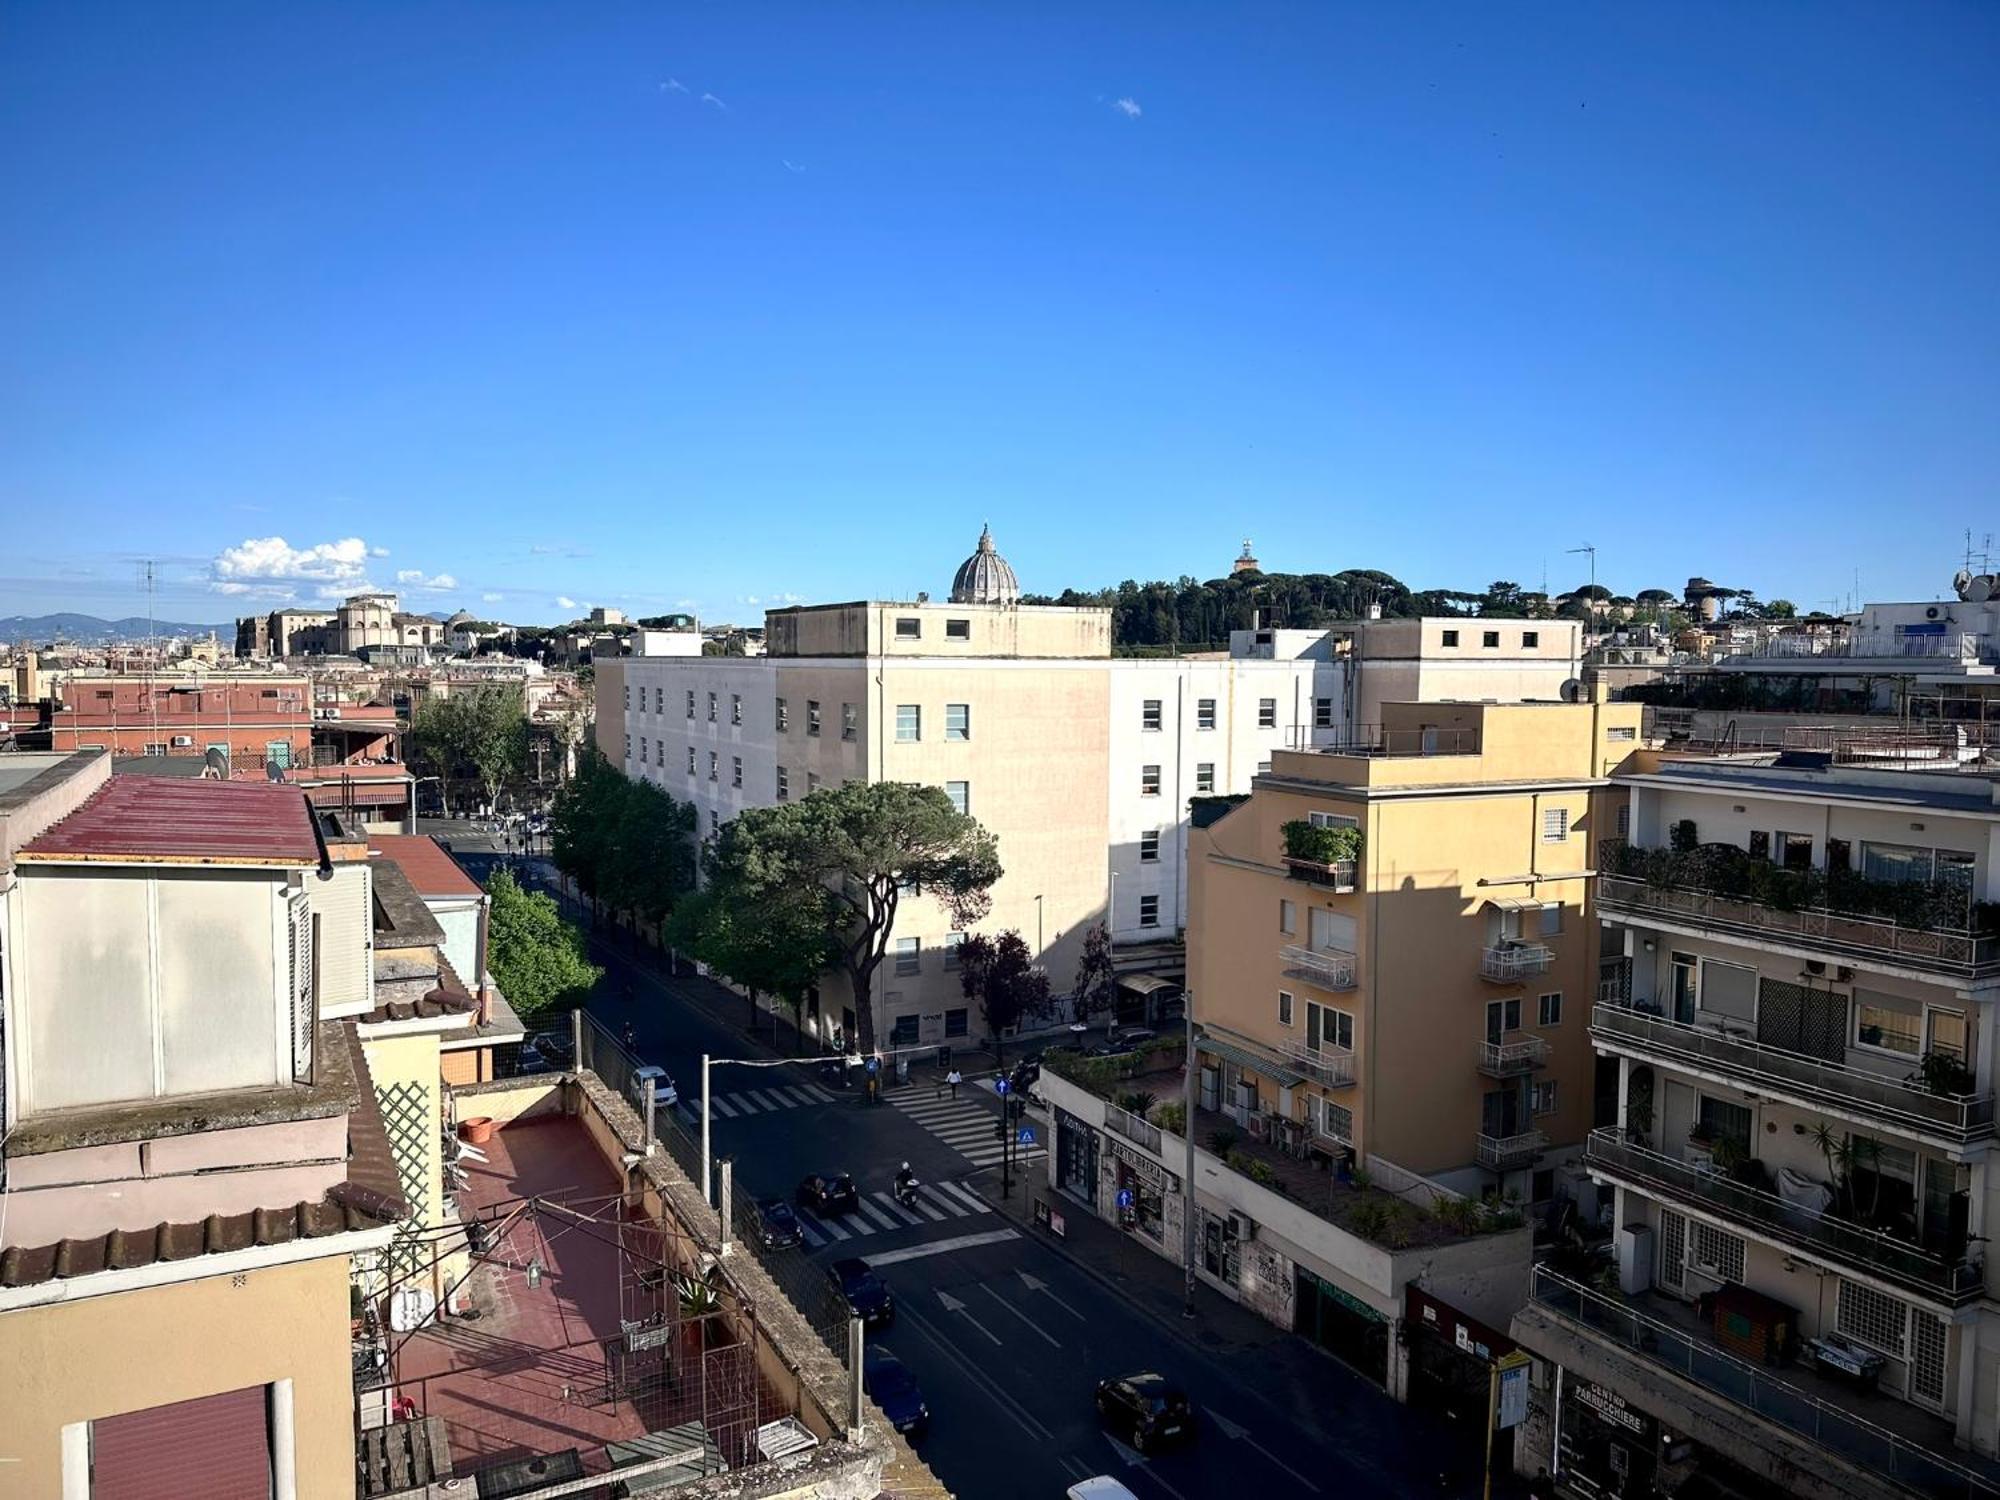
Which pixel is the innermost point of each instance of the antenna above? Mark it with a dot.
(151, 575)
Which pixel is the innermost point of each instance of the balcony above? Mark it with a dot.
(1510, 963)
(1952, 1278)
(1504, 1153)
(1326, 969)
(1658, 886)
(1794, 1075)
(1139, 1131)
(1331, 1067)
(1817, 1420)
(1512, 1059)
(1337, 876)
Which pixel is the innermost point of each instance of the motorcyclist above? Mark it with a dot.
(631, 1037)
(906, 1181)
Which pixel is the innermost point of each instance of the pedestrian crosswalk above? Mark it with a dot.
(967, 1127)
(764, 1101)
(879, 1213)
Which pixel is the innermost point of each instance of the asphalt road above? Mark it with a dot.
(1007, 1335)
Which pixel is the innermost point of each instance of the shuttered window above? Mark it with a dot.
(211, 1448)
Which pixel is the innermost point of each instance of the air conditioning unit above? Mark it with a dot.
(183, 741)
(1815, 966)
(1844, 974)
(1241, 1228)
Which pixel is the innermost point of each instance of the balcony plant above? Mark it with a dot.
(1171, 1118)
(1946, 1075)
(1137, 1102)
(1314, 845)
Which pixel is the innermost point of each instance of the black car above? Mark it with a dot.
(892, 1387)
(777, 1225)
(1145, 1410)
(867, 1294)
(828, 1193)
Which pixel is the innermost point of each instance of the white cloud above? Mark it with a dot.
(491, 598)
(442, 583)
(378, 551)
(261, 565)
(673, 86)
(791, 166)
(711, 99)
(1128, 107)
(564, 602)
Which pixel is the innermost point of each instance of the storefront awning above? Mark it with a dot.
(1146, 984)
(1514, 903)
(1257, 1062)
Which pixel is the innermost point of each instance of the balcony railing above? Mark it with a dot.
(1502, 1153)
(1842, 1433)
(1951, 950)
(1510, 1059)
(1327, 969)
(1954, 1278)
(1512, 962)
(1331, 1066)
(1139, 1132)
(1339, 875)
(1812, 1079)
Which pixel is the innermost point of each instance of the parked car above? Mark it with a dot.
(1125, 1038)
(777, 1226)
(867, 1294)
(531, 1059)
(664, 1093)
(828, 1193)
(892, 1387)
(1103, 1487)
(1146, 1410)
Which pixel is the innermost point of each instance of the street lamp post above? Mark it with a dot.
(707, 1063)
(1187, 1179)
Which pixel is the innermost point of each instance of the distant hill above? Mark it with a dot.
(91, 630)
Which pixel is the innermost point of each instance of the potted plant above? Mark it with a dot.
(1944, 1074)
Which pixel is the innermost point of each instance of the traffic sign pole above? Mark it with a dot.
(1000, 1087)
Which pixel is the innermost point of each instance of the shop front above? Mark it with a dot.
(1451, 1359)
(1342, 1324)
(1140, 1188)
(1076, 1157)
(1605, 1445)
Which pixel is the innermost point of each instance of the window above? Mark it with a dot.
(1490, 640)
(1328, 1029)
(904, 1032)
(1888, 1025)
(960, 793)
(956, 1020)
(1619, 733)
(1542, 1098)
(711, 708)
(659, 699)
(736, 770)
(1149, 846)
(812, 717)
(1284, 1007)
(714, 821)
(1332, 820)
(1729, 990)
(1551, 921)
(1549, 1009)
(714, 766)
(1530, 639)
(691, 770)
(642, 749)
(1722, 1120)
(1555, 825)
(958, 630)
(1322, 713)
(784, 717)
(958, 721)
(1149, 781)
(1204, 713)
(1874, 1318)
(1502, 1016)
(1149, 715)
(847, 721)
(1448, 639)
(736, 708)
(1288, 918)
(628, 697)
(1624, 820)
(1950, 1034)
(909, 628)
(690, 703)
(1267, 713)
(812, 782)
(1149, 911)
(1204, 776)
(1795, 851)
(1329, 931)
(951, 942)
(909, 955)
(909, 723)
(1714, 1252)
(784, 785)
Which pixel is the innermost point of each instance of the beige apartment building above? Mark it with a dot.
(1426, 1004)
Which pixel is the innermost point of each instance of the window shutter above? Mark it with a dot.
(211, 1448)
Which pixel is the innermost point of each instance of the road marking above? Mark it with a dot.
(764, 1100)
(891, 1206)
(972, 1199)
(817, 1094)
(1132, 1458)
(1239, 1433)
(1040, 1332)
(813, 1238)
(1076, 1466)
(1036, 1284)
(946, 1204)
(1007, 1404)
(872, 1215)
(952, 1304)
(826, 1227)
(722, 1107)
(944, 1247)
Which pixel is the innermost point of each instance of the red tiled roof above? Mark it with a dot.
(148, 819)
(431, 871)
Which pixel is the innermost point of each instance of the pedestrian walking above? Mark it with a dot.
(954, 1078)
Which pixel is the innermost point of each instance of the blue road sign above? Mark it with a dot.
(1125, 1198)
(874, 1064)
(1027, 1135)
(1000, 1086)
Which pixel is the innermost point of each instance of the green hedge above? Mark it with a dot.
(1322, 846)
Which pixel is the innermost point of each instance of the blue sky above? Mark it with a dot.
(718, 306)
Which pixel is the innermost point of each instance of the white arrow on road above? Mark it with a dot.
(1036, 1284)
(953, 1305)
(1236, 1432)
(1033, 1327)
(1131, 1457)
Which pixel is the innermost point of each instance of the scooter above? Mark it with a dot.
(906, 1193)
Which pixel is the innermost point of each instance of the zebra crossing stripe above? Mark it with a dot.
(764, 1100)
(946, 1204)
(794, 1097)
(817, 1094)
(825, 1227)
(813, 1238)
(874, 1215)
(891, 1206)
(722, 1107)
(973, 1200)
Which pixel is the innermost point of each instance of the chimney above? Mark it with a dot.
(486, 1001)
(1374, 611)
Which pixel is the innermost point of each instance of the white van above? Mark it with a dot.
(1103, 1487)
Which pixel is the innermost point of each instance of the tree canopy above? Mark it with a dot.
(537, 958)
(478, 735)
(998, 974)
(625, 842)
(862, 845)
(771, 943)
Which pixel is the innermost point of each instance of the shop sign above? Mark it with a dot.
(1607, 1404)
(1348, 1300)
(1148, 1171)
(1466, 1334)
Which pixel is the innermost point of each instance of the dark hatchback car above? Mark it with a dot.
(892, 1387)
(1145, 1410)
(828, 1193)
(777, 1225)
(867, 1294)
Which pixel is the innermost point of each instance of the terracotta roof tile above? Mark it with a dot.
(144, 819)
(431, 870)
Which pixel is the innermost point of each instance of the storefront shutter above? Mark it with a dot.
(211, 1448)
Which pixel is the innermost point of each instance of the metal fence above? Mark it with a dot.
(806, 1286)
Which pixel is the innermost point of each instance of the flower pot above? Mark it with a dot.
(477, 1131)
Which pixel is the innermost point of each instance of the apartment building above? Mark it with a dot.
(255, 718)
(193, 1155)
(1439, 659)
(1797, 998)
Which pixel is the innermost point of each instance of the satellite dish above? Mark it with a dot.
(1980, 589)
(273, 771)
(1959, 583)
(215, 764)
(1572, 691)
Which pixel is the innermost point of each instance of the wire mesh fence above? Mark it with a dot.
(769, 1231)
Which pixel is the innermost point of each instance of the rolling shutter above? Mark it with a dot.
(211, 1448)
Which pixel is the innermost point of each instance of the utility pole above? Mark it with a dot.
(1187, 1165)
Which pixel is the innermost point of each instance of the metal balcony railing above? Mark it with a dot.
(1613, 1320)
(1501, 1153)
(1330, 1066)
(1511, 962)
(1810, 1080)
(1340, 875)
(1510, 1059)
(1327, 969)
(1954, 1277)
(1139, 1132)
